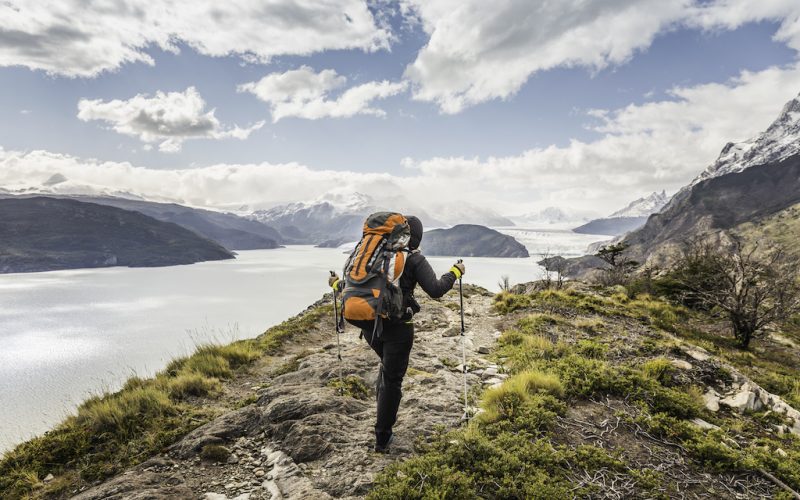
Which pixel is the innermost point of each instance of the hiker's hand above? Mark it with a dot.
(333, 281)
(458, 269)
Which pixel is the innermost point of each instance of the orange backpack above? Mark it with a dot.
(372, 272)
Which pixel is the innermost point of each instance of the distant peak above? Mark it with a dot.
(779, 141)
(55, 179)
(644, 206)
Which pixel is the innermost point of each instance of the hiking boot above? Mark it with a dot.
(384, 448)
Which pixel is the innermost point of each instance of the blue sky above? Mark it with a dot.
(453, 119)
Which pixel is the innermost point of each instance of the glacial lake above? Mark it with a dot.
(66, 335)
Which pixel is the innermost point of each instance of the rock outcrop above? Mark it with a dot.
(468, 240)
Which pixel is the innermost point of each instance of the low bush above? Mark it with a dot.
(506, 302)
(125, 413)
(191, 384)
(659, 369)
(350, 386)
(214, 453)
(538, 322)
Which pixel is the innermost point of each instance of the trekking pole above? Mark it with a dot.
(338, 331)
(463, 347)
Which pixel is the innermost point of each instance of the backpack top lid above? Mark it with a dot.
(390, 225)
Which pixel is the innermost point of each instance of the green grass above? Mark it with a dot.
(113, 431)
(512, 450)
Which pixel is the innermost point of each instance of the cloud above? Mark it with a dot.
(639, 149)
(305, 94)
(476, 54)
(75, 38)
(167, 118)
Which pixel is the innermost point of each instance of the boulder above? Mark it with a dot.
(681, 364)
(706, 426)
(745, 399)
(220, 430)
(711, 399)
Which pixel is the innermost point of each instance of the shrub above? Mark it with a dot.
(537, 322)
(214, 453)
(237, 354)
(208, 363)
(351, 386)
(505, 302)
(124, 413)
(591, 349)
(522, 350)
(191, 384)
(658, 313)
(592, 326)
(584, 377)
(659, 369)
(520, 396)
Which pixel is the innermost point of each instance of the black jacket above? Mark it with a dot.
(419, 271)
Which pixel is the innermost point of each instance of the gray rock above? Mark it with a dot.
(706, 426)
(218, 431)
(745, 399)
(484, 350)
(697, 353)
(140, 486)
(681, 364)
(711, 399)
(453, 331)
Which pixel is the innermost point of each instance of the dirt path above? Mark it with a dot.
(300, 438)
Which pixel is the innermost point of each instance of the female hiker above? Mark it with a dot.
(393, 344)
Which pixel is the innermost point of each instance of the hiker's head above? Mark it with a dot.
(416, 232)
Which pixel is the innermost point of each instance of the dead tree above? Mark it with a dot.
(753, 288)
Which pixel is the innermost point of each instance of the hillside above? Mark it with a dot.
(231, 231)
(581, 392)
(611, 226)
(467, 240)
(715, 204)
(750, 181)
(45, 234)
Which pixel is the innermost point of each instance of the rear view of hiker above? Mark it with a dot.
(378, 297)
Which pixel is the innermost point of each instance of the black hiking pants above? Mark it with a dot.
(394, 348)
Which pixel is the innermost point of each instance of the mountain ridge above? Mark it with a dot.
(45, 234)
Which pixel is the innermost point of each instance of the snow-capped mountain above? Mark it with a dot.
(779, 141)
(58, 185)
(336, 217)
(643, 207)
(750, 181)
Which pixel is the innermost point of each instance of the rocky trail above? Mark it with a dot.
(296, 434)
(300, 438)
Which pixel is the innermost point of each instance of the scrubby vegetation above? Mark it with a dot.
(577, 351)
(110, 432)
(350, 386)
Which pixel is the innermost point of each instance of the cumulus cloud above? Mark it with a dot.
(165, 118)
(305, 94)
(476, 54)
(640, 149)
(82, 39)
